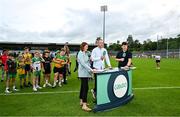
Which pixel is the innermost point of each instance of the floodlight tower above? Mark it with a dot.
(104, 10)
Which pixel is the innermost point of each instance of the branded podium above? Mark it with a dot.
(114, 88)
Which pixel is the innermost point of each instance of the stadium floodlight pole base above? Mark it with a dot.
(110, 106)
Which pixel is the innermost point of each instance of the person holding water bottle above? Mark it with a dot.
(99, 56)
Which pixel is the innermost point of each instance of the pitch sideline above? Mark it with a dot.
(66, 92)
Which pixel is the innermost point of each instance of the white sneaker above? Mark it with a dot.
(93, 93)
(60, 84)
(48, 84)
(15, 89)
(38, 87)
(44, 85)
(54, 85)
(34, 89)
(7, 91)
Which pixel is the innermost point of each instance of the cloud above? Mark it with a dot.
(80, 20)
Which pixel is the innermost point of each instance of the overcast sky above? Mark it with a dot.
(75, 21)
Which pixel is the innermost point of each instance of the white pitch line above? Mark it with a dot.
(149, 88)
(66, 92)
(36, 93)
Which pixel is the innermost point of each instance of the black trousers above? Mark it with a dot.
(95, 83)
(39, 80)
(76, 66)
(84, 89)
(64, 73)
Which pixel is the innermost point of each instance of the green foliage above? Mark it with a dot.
(114, 46)
(148, 45)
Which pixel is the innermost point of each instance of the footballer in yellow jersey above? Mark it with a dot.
(21, 70)
(27, 56)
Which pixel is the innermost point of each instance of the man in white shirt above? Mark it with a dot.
(99, 55)
(158, 59)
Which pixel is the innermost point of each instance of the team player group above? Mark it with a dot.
(29, 67)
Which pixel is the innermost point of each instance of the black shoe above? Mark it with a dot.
(25, 85)
(95, 101)
(75, 70)
(29, 84)
(2, 80)
(53, 87)
(21, 87)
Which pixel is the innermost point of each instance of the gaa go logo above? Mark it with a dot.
(120, 86)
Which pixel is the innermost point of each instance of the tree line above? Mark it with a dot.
(148, 45)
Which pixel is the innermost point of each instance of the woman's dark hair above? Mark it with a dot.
(82, 45)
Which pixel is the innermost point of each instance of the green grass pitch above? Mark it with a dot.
(62, 102)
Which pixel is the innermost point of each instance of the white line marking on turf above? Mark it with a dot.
(66, 92)
(30, 93)
(149, 88)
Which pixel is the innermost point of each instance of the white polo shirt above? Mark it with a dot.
(96, 55)
(157, 57)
